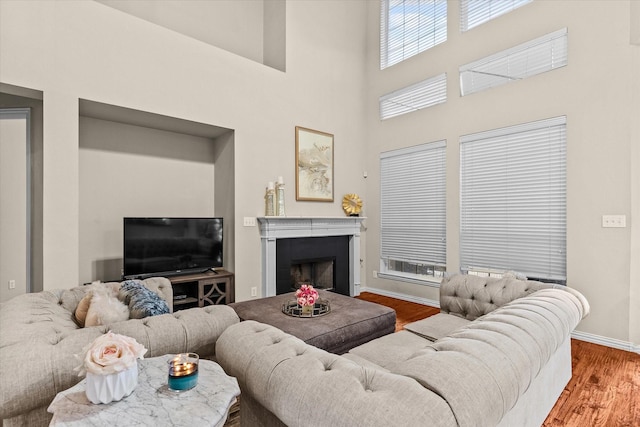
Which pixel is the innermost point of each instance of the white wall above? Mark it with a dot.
(595, 93)
(236, 26)
(129, 171)
(71, 50)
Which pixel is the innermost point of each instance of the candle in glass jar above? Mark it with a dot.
(183, 371)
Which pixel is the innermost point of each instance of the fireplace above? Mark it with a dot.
(321, 261)
(293, 246)
(319, 273)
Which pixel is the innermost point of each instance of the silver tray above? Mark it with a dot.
(320, 308)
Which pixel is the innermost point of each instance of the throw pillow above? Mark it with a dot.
(105, 309)
(142, 301)
(82, 308)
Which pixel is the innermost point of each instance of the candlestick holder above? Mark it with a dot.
(183, 372)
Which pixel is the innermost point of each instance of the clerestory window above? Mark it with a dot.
(408, 27)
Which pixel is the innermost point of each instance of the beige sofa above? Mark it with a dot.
(501, 356)
(39, 338)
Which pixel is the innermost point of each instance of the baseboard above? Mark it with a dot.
(582, 336)
(605, 341)
(403, 297)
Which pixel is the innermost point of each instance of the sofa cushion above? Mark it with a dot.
(390, 350)
(435, 327)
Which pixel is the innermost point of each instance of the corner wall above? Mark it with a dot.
(595, 93)
(74, 50)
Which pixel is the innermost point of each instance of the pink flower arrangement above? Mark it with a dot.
(306, 295)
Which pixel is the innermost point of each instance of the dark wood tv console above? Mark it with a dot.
(200, 289)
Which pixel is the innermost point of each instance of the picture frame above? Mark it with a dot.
(314, 165)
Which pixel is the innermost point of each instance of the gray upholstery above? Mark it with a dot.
(38, 332)
(506, 367)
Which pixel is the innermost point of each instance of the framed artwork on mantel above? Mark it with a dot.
(314, 165)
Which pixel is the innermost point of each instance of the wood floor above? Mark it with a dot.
(603, 392)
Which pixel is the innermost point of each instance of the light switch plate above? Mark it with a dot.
(615, 221)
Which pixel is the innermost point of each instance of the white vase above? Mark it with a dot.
(111, 387)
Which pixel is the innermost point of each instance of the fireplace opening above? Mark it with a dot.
(327, 256)
(319, 273)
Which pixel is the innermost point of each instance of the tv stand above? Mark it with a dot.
(200, 289)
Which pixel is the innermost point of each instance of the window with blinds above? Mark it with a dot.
(476, 12)
(408, 27)
(426, 93)
(413, 212)
(513, 200)
(543, 54)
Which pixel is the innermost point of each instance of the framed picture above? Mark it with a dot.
(314, 165)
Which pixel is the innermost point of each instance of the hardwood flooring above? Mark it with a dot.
(604, 390)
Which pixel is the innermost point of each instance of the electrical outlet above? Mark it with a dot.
(12, 284)
(254, 292)
(375, 274)
(616, 221)
(249, 221)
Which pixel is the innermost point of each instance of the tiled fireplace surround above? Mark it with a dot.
(274, 228)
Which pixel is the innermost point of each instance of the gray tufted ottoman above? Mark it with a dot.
(350, 323)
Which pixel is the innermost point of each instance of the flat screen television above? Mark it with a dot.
(171, 246)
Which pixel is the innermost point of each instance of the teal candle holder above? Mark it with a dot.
(183, 372)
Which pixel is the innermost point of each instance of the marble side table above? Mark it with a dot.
(152, 403)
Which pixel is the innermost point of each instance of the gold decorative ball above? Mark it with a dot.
(352, 204)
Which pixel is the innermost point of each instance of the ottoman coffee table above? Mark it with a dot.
(350, 323)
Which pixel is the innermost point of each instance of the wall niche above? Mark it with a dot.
(140, 164)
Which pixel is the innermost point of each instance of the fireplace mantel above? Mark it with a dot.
(280, 227)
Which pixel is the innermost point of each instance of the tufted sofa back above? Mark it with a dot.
(470, 297)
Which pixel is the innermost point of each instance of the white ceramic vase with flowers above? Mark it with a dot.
(111, 365)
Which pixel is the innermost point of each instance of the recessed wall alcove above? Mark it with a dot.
(140, 164)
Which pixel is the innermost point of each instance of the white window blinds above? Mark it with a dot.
(413, 204)
(537, 56)
(476, 12)
(408, 27)
(513, 199)
(426, 93)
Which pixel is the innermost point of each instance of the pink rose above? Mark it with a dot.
(306, 295)
(110, 353)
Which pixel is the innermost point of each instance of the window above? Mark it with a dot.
(476, 12)
(408, 27)
(413, 212)
(537, 56)
(426, 93)
(513, 200)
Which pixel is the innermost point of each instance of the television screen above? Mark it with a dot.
(171, 246)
